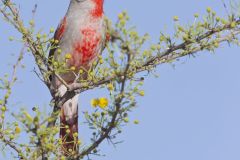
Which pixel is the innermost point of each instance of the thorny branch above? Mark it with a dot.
(41, 60)
(13, 146)
(117, 105)
(10, 84)
(163, 57)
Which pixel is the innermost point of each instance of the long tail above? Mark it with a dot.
(69, 126)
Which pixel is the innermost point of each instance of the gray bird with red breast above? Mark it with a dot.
(81, 38)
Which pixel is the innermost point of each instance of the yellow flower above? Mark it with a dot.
(209, 9)
(141, 93)
(3, 108)
(233, 24)
(62, 158)
(52, 30)
(68, 56)
(110, 87)
(126, 120)
(56, 41)
(196, 15)
(60, 141)
(73, 68)
(81, 71)
(75, 134)
(17, 130)
(101, 61)
(68, 131)
(94, 102)
(11, 137)
(136, 122)
(59, 51)
(175, 18)
(120, 16)
(31, 22)
(79, 142)
(103, 102)
(11, 38)
(39, 36)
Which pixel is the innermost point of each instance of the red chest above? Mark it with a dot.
(87, 48)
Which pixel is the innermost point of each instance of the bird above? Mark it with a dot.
(80, 37)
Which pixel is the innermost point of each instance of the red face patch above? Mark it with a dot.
(98, 10)
(85, 50)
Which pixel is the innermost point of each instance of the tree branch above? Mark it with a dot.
(13, 146)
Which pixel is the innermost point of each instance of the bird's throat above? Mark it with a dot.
(98, 9)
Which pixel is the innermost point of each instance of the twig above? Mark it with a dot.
(13, 146)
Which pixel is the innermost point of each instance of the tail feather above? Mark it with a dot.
(69, 125)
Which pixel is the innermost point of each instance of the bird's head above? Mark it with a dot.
(96, 10)
(85, 0)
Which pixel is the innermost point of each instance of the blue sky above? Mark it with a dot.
(191, 112)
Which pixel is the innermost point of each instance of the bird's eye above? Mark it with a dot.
(80, 0)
